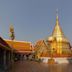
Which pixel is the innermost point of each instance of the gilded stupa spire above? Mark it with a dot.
(57, 29)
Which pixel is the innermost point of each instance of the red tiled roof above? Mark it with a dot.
(20, 46)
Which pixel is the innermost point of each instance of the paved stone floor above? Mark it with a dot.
(31, 66)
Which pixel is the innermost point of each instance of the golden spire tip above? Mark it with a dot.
(56, 13)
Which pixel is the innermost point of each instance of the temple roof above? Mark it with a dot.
(21, 46)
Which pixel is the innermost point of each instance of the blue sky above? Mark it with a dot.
(34, 19)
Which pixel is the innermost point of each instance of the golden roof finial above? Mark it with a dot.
(11, 28)
(12, 35)
(57, 11)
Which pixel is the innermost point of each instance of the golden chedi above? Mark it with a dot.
(58, 42)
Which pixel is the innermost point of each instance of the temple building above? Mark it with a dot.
(41, 49)
(13, 50)
(56, 45)
(23, 48)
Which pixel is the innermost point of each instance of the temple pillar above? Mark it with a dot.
(25, 57)
(21, 57)
(1, 59)
(12, 58)
(8, 59)
(4, 59)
